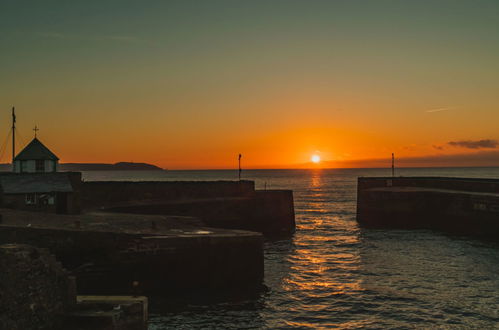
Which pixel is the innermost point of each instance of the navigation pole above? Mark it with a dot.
(240, 166)
(393, 164)
(13, 134)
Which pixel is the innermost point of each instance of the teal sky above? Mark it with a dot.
(190, 83)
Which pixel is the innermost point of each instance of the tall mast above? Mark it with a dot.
(13, 134)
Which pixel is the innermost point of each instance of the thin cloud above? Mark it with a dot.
(440, 109)
(479, 144)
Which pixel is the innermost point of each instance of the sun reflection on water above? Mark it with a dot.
(322, 265)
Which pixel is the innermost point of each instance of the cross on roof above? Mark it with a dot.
(36, 129)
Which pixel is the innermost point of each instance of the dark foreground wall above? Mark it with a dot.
(34, 289)
(125, 263)
(456, 205)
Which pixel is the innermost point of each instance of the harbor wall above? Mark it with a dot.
(125, 263)
(463, 184)
(267, 212)
(96, 194)
(34, 289)
(220, 204)
(455, 205)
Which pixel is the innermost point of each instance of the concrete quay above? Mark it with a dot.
(455, 205)
(108, 312)
(140, 254)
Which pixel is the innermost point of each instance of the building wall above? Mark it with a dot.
(50, 166)
(30, 166)
(18, 202)
(71, 200)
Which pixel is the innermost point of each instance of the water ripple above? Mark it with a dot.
(333, 274)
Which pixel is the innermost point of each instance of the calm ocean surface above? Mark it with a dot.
(333, 274)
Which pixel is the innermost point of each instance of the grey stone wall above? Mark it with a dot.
(455, 205)
(109, 193)
(33, 288)
(463, 184)
(109, 262)
(269, 212)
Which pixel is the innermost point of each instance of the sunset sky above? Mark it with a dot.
(191, 84)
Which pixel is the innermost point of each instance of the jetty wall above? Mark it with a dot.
(220, 204)
(456, 205)
(132, 263)
(462, 184)
(268, 212)
(104, 193)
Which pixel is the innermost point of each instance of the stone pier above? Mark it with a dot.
(140, 254)
(220, 204)
(455, 205)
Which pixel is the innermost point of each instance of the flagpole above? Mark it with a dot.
(393, 164)
(240, 167)
(13, 134)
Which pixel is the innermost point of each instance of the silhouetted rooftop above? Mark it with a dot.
(36, 150)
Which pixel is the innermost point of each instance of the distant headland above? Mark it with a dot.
(121, 166)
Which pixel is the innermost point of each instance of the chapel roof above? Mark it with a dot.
(36, 150)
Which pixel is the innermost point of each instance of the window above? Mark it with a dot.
(30, 199)
(40, 165)
(45, 199)
(24, 166)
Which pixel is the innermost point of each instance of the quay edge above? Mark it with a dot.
(121, 254)
(219, 204)
(465, 206)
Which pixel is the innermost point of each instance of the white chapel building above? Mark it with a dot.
(35, 158)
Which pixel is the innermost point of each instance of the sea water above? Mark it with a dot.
(333, 274)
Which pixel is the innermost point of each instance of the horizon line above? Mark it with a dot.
(280, 169)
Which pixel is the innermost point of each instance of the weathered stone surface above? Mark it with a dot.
(109, 312)
(109, 253)
(455, 205)
(96, 194)
(33, 288)
(221, 204)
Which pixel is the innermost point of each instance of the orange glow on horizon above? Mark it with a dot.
(343, 147)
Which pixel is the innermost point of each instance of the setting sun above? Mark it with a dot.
(316, 159)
